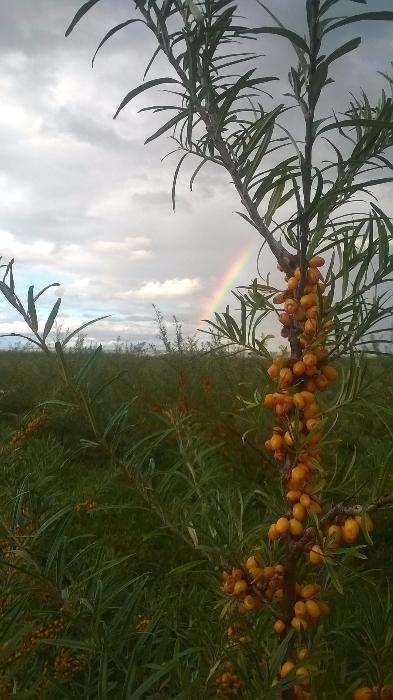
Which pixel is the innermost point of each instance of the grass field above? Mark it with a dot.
(109, 583)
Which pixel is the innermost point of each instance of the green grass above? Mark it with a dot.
(183, 496)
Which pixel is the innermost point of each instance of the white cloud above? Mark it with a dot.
(164, 290)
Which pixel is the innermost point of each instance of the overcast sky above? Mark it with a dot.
(85, 203)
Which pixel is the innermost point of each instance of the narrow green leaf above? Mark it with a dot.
(51, 319)
(141, 88)
(175, 180)
(77, 330)
(169, 124)
(111, 33)
(382, 16)
(344, 49)
(31, 308)
(81, 12)
(294, 38)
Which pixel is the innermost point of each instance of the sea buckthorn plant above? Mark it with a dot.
(310, 196)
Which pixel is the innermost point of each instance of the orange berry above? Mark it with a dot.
(313, 276)
(273, 371)
(308, 396)
(350, 530)
(363, 694)
(295, 527)
(310, 327)
(311, 423)
(316, 555)
(298, 473)
(241, 587)
(288, 439)
(321, 382)
(298, 623)
(279, 298)
(279, 569)
(297, 273)
(251, 563)
(285, 319)
(237, 574)
(305, 500)
(299, 401)
(292, 284)
(272, 533)
(300, 609)
(311, 410)
(335, 535)
(309, 590)
(276, 442)
(299, 511)
(268, 445)
(270, 400)
(309, 359)
(308, 300)
(286, 376)
(302, 653)
(293, 495)
(279, 626)
(316, 261)
(312, 609)
(299, 368)
(304, 675)
(300, 314)
(324, 608)
(269, 572)
(249, 602)
(330, 373)
(282, 526)
(286, 668)
(290, 306)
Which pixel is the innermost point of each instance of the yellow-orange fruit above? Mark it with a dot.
(316, 261)
(273, 371)
(279, 594)
(251, 563)
(268, 445)
(286, 668)
(237, 574)
(300, 314)
(269, 572)
(305, 500)
(249, 602)
(293, 495)
(285, 319)
(278, 360)
(286, 376)
(290, 306)
(312, 312)
(321, 382)
(330, 373)
(299, 401)
(309, 590)
(295, 527)
(313, 275)
(363, 694)
(270, 400)
(310, 327)
(256, 573)
(240, 587)
(288, 439)
(297, 273)
(315, 507)
(303, 675)
(272, 533)
(279, 626)
(299, 368)
(302, 653)
(308, 396)
(350, 530)
(298, 623)
(282, 526)
(335, 535)
(316, 555)
(292, 284)
(299, 512)
(276, 441)
(312, 609)
(308, 300)
(298, 473)
(279, 298)
(300, 609)
(311, 410)
(367, 521)
(279, 569)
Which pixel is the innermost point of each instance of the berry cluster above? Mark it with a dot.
(31, 427)
(88, 504)
(254, 584)
(66, 666)
(228, 683)
(30, 643)
(366, 693)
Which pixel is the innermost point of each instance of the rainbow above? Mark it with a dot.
(226, 282)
